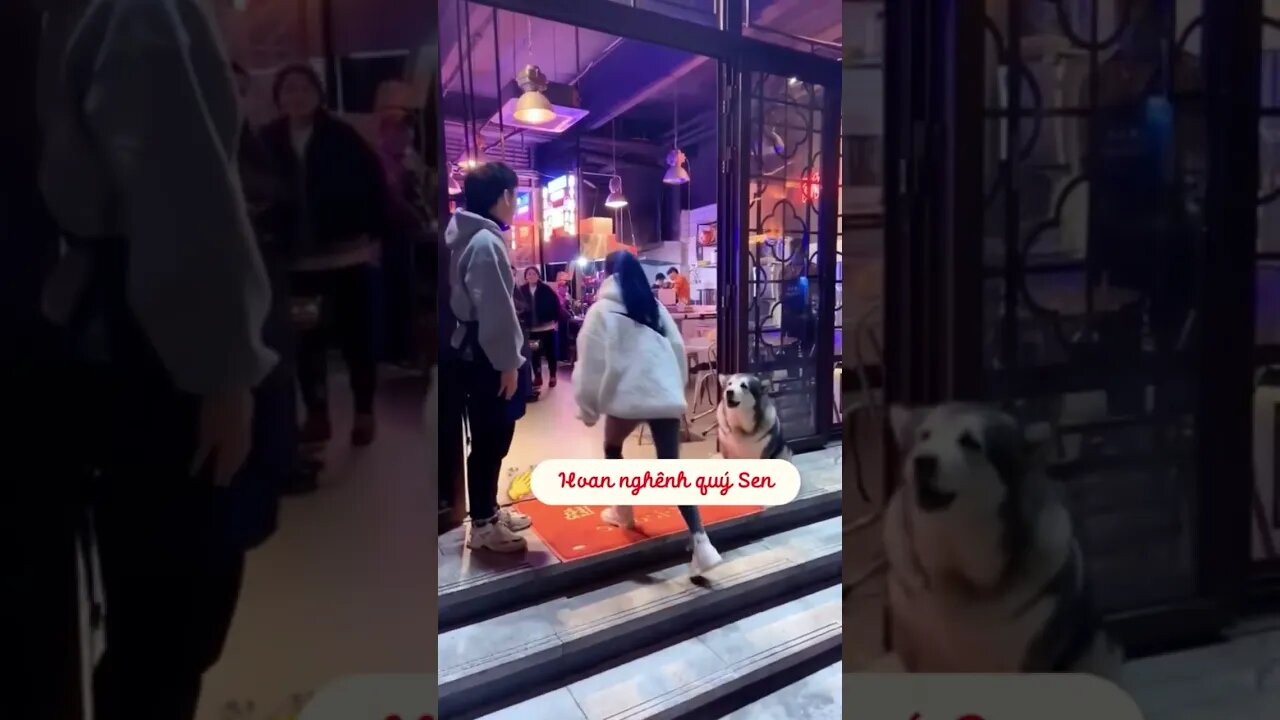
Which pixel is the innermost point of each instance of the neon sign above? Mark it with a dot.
(811, 188)
(560, 207)
(524, 204)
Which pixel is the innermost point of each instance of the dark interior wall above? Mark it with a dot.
(703, 175)
(642, 219)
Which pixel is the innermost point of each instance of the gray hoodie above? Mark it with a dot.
(481, 289)
(141, 123)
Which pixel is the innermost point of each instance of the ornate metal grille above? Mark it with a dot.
(782, 282)
(1094, 181)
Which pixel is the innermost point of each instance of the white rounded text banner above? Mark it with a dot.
(666, 482)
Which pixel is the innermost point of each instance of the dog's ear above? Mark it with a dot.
(723, 379)
(903, 421)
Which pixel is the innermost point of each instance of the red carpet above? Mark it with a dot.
(578, 532)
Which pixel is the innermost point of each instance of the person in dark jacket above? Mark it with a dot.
(333, 214)
(409, 225)
(274, 465)
(541, 311)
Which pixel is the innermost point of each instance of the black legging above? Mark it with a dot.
(546, 349)
(666, 440)
(346, 318)
(491, 427)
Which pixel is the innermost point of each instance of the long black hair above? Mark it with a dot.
(637, 293)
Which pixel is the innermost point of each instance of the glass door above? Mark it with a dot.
(781, 256)
(1087, 236)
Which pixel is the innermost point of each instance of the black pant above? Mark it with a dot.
(171, 565)
(491, 427)
(546, 349)
(346, 318)
(666, 440)
(41, 518)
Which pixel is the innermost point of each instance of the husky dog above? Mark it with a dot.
(747, 421)
(984, 572)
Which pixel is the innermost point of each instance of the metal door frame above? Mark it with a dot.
(934, 116)
(733, 211)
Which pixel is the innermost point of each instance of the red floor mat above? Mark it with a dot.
(577, 532)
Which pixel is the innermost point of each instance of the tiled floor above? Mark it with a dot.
(817, 697)
(342, 588)
(1237, 680)
(658, 680)
(459, 567)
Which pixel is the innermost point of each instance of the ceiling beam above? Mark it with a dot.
(658, 29)
(664, 81)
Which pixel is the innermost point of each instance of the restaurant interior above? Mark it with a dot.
(629, 157)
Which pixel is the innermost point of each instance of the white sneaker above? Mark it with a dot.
(619, 516)
(705, 556)
(514, 519)
(496, 537)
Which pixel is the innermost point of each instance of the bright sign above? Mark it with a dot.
(524, 204)
(560, 207)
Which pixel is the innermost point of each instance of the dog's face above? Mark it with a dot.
(742, 392)
(966, 473)
(744, 403)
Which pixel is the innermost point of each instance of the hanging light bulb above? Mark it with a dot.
(616, 199)
(676, 174)
(533, 108)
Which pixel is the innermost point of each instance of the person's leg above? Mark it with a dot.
(172, 579)
(311, 360)
(546, 351)
(535, 363)
(666, 440)
(354, 326)
(491, 429)
(616, 431)
(39, 532)
(170, 569)
(553, 354)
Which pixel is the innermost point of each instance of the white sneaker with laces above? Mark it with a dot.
(619, 516)
(495, 536)
(705, 556)
(514, 519)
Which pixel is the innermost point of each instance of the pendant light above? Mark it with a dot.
(676, 174)
(616, 199)
(533, 108)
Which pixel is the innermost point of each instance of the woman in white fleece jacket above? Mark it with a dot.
(631, 369)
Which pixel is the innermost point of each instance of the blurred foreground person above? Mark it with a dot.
(159, 301)
(335, 211)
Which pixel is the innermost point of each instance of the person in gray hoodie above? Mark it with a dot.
(490, 347)
(162, 294)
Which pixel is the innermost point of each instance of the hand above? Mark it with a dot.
(226, 425)
(588, 418)
(508, 384)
